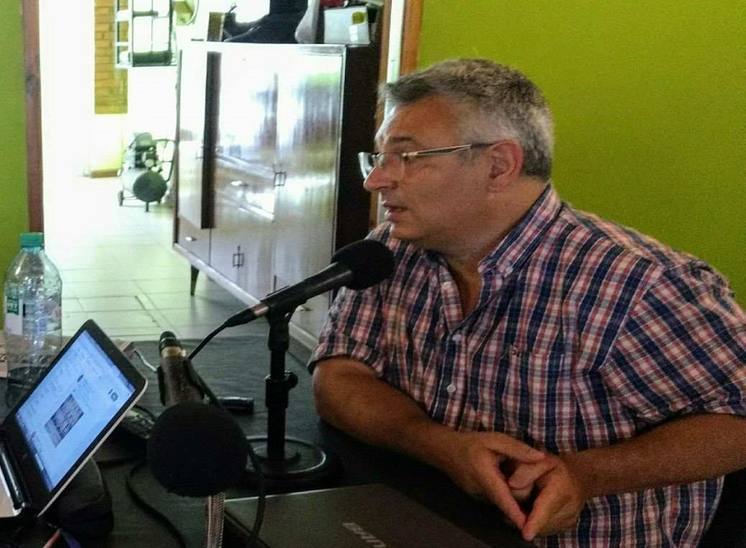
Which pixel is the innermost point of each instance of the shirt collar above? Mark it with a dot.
(521, 241)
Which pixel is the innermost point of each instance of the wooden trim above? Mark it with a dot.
(384, 25)
(209, 139)
(34, 173)
(411, 36)
(101, 173)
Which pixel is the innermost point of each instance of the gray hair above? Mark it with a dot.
(497, 102)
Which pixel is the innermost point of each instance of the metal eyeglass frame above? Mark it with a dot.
(371, 160)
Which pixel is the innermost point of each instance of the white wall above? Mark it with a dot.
(151, 98)
(66, 56)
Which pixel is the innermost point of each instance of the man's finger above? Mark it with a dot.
(541, 514)
(513, 448)
(527, 474)
(499, 493)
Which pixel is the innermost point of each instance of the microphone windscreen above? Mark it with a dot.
(370, 261)
(196, 450)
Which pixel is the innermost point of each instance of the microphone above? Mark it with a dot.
(358, 265)
(196, 450)
(176, 381)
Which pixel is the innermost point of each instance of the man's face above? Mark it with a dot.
(435, 202)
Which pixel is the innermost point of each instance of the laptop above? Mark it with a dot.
(55, 428)
(344, 517)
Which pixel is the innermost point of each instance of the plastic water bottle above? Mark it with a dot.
(33, 315)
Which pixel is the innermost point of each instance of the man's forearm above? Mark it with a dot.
(377, 413)
(684, 450)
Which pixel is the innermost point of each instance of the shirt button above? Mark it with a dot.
(457, 337)
(451, 388)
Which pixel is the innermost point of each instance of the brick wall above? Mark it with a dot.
(110, 87)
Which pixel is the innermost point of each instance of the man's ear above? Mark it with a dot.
(506, 163)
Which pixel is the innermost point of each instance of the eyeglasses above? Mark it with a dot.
(398, 160)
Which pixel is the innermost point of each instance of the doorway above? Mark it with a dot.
(115, 260)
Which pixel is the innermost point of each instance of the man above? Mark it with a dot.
(588, 380)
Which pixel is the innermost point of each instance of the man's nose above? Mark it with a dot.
(378, 179)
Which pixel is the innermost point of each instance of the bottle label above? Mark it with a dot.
(13, 316)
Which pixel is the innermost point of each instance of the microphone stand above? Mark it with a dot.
(215, 519)
(284, 458)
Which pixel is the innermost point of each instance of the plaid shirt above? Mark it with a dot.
(586, 333)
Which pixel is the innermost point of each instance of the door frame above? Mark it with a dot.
(32, 77)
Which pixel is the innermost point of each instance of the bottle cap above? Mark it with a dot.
(32, 239)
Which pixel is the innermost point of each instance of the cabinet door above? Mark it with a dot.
(245, 149)
(308, 134)
(241, 247)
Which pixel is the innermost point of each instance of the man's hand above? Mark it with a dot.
(559, 495)
(475, 465)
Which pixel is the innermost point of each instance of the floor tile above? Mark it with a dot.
(71, 321)
(183, 300)
(93, 275)
(198, 316)
(168, 285)
(100, 289)
(110, 319)
(150, 272)
(71, 305)
(93, 304)
(89, 258)
(135, 333)
(145, 302)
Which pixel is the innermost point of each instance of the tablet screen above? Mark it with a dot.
(71, 407)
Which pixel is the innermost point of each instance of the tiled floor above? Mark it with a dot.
(118, 267)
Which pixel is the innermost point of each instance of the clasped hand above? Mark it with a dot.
(539, 493)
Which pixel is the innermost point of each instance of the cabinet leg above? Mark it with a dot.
(193, 280)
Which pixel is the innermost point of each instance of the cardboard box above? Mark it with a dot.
(346, 26)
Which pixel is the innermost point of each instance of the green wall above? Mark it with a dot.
(13, 208)
(649, 101)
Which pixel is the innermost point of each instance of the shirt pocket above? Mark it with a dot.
(537, 399)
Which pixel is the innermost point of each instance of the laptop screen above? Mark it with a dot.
(71, 406)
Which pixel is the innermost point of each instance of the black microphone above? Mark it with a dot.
(358, 265)
(194, 449)
(197, 450)
(176, 381)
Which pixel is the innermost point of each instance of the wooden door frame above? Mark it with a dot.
(410, 47)
(410, 39)
(32, 77)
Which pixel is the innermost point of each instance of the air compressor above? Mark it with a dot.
(146, 169)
